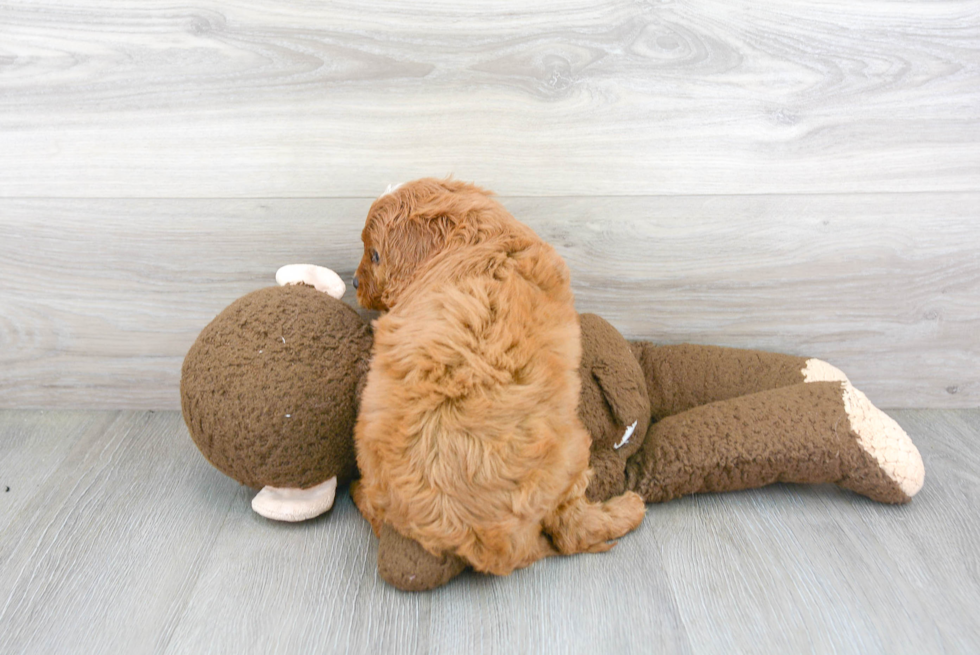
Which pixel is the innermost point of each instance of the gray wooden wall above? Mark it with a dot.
(789, 175)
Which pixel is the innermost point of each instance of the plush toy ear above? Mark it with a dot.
(625, 396)
(318, 277)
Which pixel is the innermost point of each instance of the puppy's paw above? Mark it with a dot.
(601, 547)
(624, 514)
(627, 511)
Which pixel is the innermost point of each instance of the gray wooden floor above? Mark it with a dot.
(116, 536)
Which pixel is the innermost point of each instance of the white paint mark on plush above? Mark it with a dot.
(626, 436)
(817, 370)
(319, 277)
(885, 440)
(283, 504)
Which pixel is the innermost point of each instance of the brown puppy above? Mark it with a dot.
(468, 439)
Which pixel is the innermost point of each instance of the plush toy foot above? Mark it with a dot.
(295, 504)
(318, 277)
(808, 433)
(878, 435)
(817, 370)
(891, 449)
(404, 564)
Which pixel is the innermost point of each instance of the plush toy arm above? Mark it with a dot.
(685, 376)
(624, 394)
(403, 563)
(807, 433)
(608, 475)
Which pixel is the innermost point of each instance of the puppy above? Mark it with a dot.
(468, 439)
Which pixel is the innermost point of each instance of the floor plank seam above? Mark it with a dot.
(200, 565)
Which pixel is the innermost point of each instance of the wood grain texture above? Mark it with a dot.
(101, 559)
(566, 97)
(136, 545)
(101, 299)
(33, 447)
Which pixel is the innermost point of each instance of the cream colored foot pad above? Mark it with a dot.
(885, 440)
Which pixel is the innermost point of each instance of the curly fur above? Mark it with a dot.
(468, 439)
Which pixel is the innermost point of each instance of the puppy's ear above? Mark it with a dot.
(420, 237)
(410, 244)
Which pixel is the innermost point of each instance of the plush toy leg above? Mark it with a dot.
(806, 433)
(685, 376)
(295, 504)
(404, 564)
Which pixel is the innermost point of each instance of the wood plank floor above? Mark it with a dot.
(116, 536)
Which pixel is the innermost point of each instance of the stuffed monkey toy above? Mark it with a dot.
(269, 392)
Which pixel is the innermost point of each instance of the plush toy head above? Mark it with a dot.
(269, 390)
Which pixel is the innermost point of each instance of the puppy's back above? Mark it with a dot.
(471, 398)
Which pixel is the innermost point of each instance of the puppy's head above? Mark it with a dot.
(407, 227)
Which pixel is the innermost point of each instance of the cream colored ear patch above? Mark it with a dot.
(817, 370)
(885, 440)
(284, 504)
(318, 277)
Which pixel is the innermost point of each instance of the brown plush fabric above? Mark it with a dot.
(403, 563)
(685, 376)
(268, 389)
(798, 433)
(613, 398)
